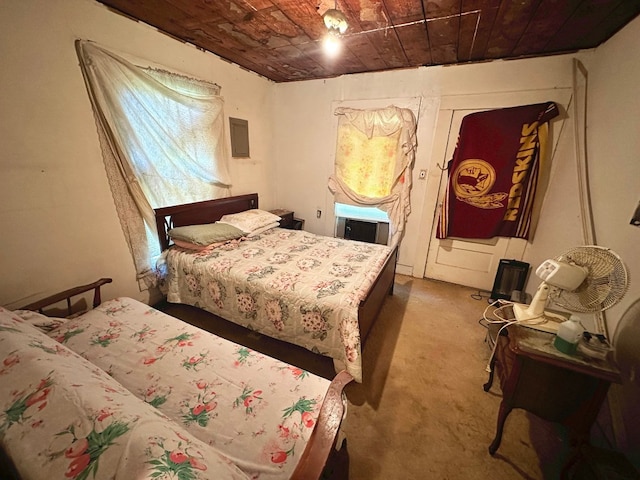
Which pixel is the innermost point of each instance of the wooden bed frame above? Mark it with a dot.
(321, 443)
(212, 210)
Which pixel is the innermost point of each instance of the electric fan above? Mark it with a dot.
(586, 279)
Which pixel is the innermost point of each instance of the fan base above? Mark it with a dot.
(547, 322)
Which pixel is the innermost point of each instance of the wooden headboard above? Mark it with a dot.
(198, 213)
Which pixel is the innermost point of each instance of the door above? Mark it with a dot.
(472, 262)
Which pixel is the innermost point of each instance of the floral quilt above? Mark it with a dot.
(62, 417)
(255, 410)
(289, 284)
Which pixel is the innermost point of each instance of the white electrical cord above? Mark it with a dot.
(495, 344)
(506, 322)
(495, 313)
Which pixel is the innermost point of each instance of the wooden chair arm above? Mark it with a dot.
(323, 437)
(67, 295)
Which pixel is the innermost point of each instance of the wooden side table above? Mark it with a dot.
(288, 220)
(538, 378)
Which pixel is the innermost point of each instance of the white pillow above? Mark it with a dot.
(263, 229)
(250, 220)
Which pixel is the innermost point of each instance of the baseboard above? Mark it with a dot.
(404, 269)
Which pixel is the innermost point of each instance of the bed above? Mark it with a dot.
(317, 292)
(125, 391)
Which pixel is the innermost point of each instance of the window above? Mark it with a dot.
(375, 150)
(162, 140)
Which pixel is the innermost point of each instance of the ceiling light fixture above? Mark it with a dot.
(335, 21)
(336, 24)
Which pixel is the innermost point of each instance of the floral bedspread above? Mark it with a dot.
(288, 284)
(257, 411)
(62, 417)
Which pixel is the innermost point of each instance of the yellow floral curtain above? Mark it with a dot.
(366, 165)
(374, 157)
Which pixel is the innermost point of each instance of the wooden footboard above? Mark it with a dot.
(372, 304)
(324, 435)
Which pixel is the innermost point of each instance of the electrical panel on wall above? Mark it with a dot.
(239, 130)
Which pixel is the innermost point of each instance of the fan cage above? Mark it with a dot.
(605, 285)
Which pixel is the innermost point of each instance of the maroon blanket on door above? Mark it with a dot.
(494, 172)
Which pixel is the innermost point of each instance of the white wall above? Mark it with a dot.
(613, 151)
(59, 225)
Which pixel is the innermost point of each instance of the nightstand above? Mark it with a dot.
(288, 220)
(538, 378)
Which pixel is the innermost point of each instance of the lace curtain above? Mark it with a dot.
(374, 159)
(162, 140)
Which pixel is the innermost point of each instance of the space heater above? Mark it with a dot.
(510, 277)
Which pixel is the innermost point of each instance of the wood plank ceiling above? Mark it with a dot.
(282, 39)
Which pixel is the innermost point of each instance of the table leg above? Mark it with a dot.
(504, 412)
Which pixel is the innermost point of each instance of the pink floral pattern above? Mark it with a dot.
(249, 399)
(291, 285)
(249, 406)
(183, 462)
(63, 417)
(84, 453)
(202, 408)
(19, 411)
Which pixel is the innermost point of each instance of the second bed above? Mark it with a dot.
(317, 292)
